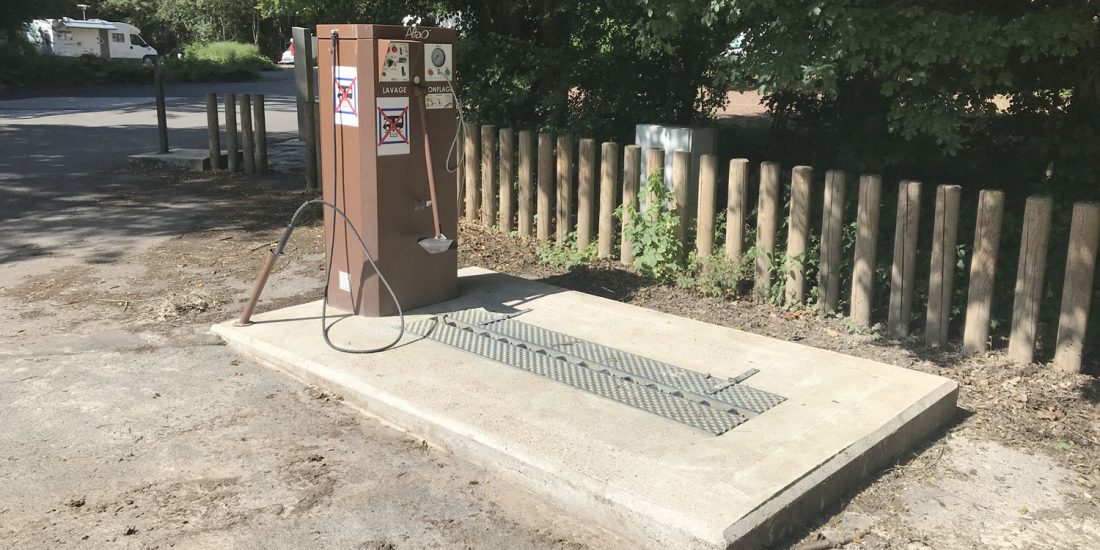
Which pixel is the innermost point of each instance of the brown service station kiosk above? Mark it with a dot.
(382, 81)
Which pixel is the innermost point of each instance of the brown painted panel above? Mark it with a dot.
(386, 197)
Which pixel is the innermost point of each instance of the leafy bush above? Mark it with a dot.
(31, 69)
(565, 255)
(227, 53)
(653, 234)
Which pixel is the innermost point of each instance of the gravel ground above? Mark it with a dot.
(129, 425)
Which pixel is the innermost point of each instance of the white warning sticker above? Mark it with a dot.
(345, 281)
(393, 126)
(439, 101)
(345, 96)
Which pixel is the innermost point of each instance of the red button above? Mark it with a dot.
(430, 72)
(393, 49)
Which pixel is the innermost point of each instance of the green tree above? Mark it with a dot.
(588, 67)
(1011, 88)
(15, 13)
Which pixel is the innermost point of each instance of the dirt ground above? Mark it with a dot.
(129, 425)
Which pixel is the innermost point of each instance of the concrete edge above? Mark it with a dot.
(589, 507)
(808, 497)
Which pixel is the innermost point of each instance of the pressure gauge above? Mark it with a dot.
(439, 57)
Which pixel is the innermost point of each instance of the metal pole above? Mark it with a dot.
(260, 116)
(304, 87)
(246, 131)
(162, 114)
(212, 135)
(231, 148)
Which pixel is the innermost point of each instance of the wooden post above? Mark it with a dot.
(1084, 234)
(632, 174)
(798, 234)
(162, 110)
(609, 176)
(767, 214)
(259, 113)
(471, 159)
(546, 185)
(738, 188)
(1029, 279)
(863, 269)
(488, 175)
(306, 103)
(832, 233)
(213, 132)
(232, 149)
(526, 181)
(941, 279)
(565, 187)
(249, 138)
(681, 173)
(654, 162)
(983, 270)
(586, 189)
(905, 259)
(704, 215)
(507, 177)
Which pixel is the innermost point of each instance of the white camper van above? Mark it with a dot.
(76, 37)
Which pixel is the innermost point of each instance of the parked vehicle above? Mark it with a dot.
(288, 55)
(76, 37)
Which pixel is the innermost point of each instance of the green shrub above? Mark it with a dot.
(654, 234)
(565, 255)
(227, 53)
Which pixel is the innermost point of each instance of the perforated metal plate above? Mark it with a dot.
(705, 403)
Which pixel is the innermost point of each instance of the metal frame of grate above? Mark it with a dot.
(691, 398)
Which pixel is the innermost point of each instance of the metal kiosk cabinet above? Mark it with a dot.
(374, 82)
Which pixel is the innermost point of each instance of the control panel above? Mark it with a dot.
(437, 63)
(395, 63)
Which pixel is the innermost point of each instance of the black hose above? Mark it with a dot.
(325, 327)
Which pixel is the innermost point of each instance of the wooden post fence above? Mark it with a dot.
(863, 268)
(767, 214)
(1029, 279)
(471, 156)
(704, 215)
(565, 187)
(213, 133)
(798, 234)
(681, 173)
(488, 175)
(526, 182)
(248, 135)
(632, 174)
(737, 187)
(832, 233)
(905, 259)
(1084, 234)
(609, 176)
(941, 279)
(231, 147)
(259, 113)
(546, 186)
(983, 269)
(586, 191)
(507, 178)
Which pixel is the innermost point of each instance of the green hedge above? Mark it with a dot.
(32, 70)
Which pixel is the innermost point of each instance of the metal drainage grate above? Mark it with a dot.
(705, 403)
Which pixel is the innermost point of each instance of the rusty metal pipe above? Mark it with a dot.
(261, 281)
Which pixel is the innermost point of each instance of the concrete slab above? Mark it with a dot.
(653, 481)
(177, 159)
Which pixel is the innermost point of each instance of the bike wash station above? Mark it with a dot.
(664, 431)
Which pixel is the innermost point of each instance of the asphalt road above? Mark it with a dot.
(85, 130)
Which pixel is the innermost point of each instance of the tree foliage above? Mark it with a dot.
(588, 67)
(1007, 79)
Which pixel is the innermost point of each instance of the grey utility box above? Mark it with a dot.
(697, 141)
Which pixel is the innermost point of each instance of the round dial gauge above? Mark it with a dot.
(439, 57)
